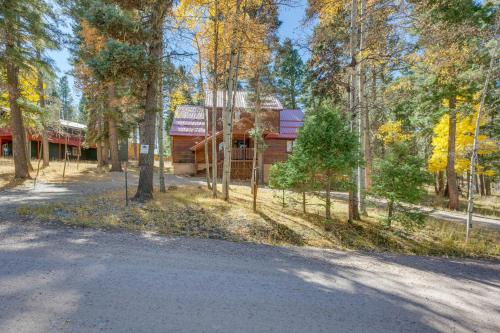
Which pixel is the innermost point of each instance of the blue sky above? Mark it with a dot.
(291, 27)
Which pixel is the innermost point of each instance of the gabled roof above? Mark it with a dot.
(189, 120)
(242, 100)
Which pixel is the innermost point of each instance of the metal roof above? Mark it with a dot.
(242, 100)
(189, 120)
(72, 124)
(290, 123)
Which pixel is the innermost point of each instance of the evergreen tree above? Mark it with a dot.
(83, 110)
(289, 72)
(400, 177)
(28, 29)
(328, 143)
(64, 92)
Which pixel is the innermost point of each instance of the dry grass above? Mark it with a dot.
(52, 174)
(191, 211)
(483, 205)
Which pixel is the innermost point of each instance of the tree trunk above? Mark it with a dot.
(45, 135)
(328, 199)
(441, 188)
(487, 185)
(99, 154)
(21, 168)
(45, 147)
(453, 197)
(134, 142)
(390, 208)
(353, 205)
(214, 100)
(205, 115)
(257, 138)
(161, 126)
(470, 198)
(304, 202)
(113, 130)
(362, 111)
(227, 109)
(105, 150)
(28, 150)
(367, 135)
(146, 161)
(481, 185)
(113, 145)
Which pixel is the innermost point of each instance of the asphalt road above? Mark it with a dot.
(62, 279)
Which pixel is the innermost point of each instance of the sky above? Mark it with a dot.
(291, 27)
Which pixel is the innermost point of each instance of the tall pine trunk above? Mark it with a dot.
(362, 110)
(45, 134)
(146, 161)
(161, 146)
(228, 107)
(450, 166)
(113, 130)
(214, 100)
(353, 205)
(21, 168)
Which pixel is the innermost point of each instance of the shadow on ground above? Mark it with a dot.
(69, 279)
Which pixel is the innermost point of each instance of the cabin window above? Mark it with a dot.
(289, 146)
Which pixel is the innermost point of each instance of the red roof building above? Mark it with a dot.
(188, 135)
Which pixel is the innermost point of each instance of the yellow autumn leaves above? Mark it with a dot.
(392, 132)
(463, 144)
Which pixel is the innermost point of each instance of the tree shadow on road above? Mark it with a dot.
(87, 280)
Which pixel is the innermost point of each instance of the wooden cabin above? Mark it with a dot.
(187, 133)
(67, 136)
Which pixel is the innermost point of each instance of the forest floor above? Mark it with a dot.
(483, 205)
(190, 210)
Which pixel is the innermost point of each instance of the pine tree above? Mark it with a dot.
(28, 28)
(289, 72)
(64, 92)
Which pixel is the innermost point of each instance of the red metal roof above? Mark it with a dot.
(190, 121)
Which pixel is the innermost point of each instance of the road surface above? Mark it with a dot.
(64, 279)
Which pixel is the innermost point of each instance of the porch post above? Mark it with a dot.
(195, 163)
(1, 148)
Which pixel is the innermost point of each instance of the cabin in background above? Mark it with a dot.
(66, 136)
(187, 133)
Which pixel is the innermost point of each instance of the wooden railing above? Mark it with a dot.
(238, 154)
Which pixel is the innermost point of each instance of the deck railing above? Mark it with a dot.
(238, 154)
